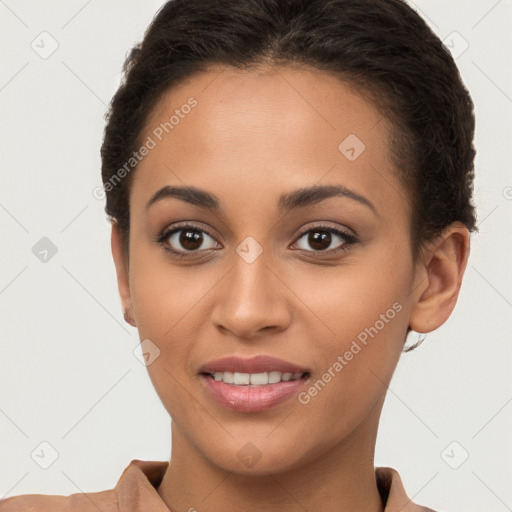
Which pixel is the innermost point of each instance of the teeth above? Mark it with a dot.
(241, 378)
(255, 379)
(258, 379)
(274, 377)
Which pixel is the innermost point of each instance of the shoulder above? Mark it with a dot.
(106, 501)
(135, 489)
(392, 491)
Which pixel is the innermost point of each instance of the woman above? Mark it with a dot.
(290, 189)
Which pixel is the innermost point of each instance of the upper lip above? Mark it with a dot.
(257, 364)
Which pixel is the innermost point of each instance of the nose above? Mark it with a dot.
(252, 300)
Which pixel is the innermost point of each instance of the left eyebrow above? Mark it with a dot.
(311, 195)
(299, 198)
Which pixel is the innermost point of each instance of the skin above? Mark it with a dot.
(253, 136)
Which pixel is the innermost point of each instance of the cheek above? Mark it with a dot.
(165, 297)
(349, 299)
(358, 365)
(362, 315)
(168, 306)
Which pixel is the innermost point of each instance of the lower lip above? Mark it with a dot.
(251, 399)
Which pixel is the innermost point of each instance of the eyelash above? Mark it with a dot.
(348, 239)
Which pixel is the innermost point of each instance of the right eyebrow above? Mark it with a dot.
(188, 194)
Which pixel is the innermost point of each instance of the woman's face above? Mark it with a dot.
(321, 280)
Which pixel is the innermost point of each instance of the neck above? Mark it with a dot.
(341, 479)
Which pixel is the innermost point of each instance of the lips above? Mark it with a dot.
(250, 399)
(257, 364)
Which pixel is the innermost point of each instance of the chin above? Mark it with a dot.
(256, 458)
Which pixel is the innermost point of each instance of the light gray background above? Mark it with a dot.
(69, 376)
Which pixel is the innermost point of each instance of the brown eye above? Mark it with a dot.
(321, 239)
(187, 239)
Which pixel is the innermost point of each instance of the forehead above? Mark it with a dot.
(264, 129)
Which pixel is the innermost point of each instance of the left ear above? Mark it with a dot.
(439, 277)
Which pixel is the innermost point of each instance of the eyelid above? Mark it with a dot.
(191, 224)
(321, 225)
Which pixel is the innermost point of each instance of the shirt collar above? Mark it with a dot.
(136, 488)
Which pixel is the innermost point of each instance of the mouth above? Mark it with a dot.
(252, 385)
(252, 392)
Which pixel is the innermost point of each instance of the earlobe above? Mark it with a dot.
(439, 278)
(121, 265)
